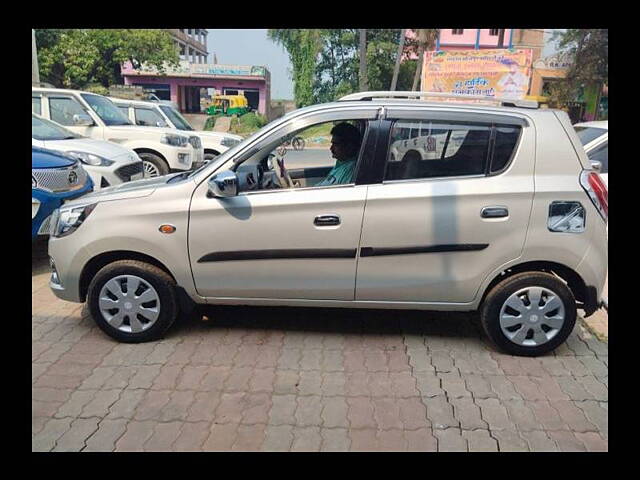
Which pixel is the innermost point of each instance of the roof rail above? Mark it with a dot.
(506, 102)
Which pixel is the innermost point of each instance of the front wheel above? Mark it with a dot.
(132, 301)
(154, 165)
(529, 314)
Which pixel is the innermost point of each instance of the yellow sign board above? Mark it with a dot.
(494, 73)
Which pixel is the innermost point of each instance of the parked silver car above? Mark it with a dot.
(510, 223)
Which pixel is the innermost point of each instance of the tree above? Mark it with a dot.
(396, 69)
(588, 52)
(303, 47)
(362, 49)
(80, 57)
(426, 40)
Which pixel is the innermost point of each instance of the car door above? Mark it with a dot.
(435, 227)
(297, 243)
(62, 108)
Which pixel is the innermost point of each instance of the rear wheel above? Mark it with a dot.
(154, 165)
(210, 155)
(132, 301)
(529, 314)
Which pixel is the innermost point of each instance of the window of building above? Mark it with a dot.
(458, 31)
(494, 32)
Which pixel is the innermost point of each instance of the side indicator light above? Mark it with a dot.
(166, 228)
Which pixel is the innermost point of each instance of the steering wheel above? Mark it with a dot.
(284, 179)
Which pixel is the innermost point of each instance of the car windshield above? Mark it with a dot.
(178, 120)
(587, 134)
(106, 110)
(44, 130)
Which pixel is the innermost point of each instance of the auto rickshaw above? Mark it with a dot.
(228, 105)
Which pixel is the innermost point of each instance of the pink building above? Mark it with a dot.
(183, 85)
(470, 38)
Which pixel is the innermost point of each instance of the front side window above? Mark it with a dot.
(178, 120)
(36, 105)
(147, 117)
(124, 109)
(425, 149)
(62, 110)
(105, 109)
(321, 155)
(601, 154)
(42, 129)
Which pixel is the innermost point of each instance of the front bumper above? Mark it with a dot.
(119, 172)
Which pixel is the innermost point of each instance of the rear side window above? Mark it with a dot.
(36, 105)
(601, 154)
(587, 134)
(425, 149)
(506, 139)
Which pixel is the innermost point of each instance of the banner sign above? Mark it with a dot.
(501, 73)
(186, 68)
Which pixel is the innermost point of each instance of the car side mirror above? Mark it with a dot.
(82, 120)
(596, 165)
(223, 185)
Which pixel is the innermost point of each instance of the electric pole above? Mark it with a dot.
(35, 72)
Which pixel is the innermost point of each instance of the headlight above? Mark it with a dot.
(229, 142)
(65, 221)
(91, 159)
(175, 140)
(34, 183)
(35, 206)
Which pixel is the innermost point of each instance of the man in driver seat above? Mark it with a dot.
(345, 145)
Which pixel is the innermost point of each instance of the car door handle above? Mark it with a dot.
(326, 220)
(494, 212)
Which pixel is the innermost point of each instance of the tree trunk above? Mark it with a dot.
(363, 61)
(421, 47)
(396, 69)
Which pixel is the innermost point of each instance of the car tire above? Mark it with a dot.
(153, 165)
(501, 324)
(163, 311)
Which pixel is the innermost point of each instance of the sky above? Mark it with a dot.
(252, 47)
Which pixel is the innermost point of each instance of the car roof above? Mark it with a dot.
(61, 90)
(134, 102)
(597, 124)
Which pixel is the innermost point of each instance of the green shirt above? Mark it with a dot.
(341, 173)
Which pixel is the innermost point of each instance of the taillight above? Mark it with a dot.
(597, 191)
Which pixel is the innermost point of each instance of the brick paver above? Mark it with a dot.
(252, 379)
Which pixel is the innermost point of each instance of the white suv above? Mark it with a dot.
(162, 150)
(511, 225)
(154, 114)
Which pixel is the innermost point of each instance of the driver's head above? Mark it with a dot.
(345, 141)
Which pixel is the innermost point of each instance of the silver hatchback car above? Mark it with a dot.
(498, 211)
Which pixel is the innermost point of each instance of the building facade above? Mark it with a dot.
(473, 38)
(187, 85)
(192, 43)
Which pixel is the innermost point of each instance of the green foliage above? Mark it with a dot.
(79, 57)
(303, 47)
(588, 50)
(247, 123)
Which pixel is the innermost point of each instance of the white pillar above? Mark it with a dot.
(35, 70)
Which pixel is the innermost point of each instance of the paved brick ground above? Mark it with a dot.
(255, 379)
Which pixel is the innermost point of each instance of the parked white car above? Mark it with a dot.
(595, 139)
(163, 114)
(162, 150)
(107, 163)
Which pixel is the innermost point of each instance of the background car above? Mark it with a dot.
(153, 114)
(55, 178)
(595, 139)
(162, 150)
(106, 162)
